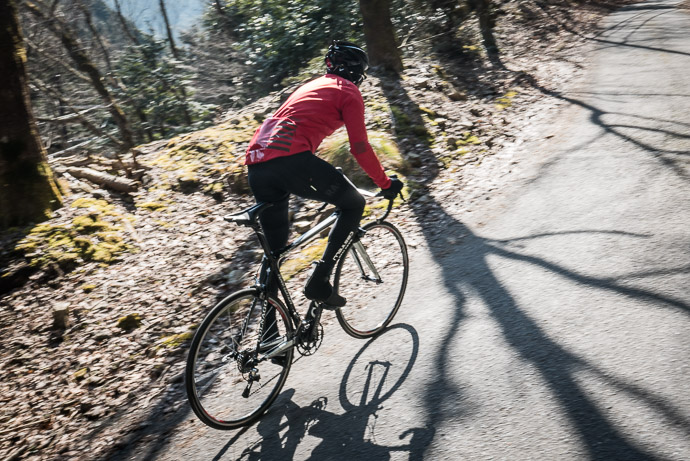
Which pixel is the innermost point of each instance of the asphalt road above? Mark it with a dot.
(556, 326)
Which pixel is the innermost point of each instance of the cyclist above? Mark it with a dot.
(281, 160)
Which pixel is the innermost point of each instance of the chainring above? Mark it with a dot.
(311, 340)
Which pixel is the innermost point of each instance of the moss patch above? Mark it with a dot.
(468, 139)
(95, 235)
(175, 341)
(300, 261)
(152, 206)
(96, 206)
(80, 374)
(88, 288)
(406, 126)
(506, 100)
(204, 157)
(129, 322)
(336, 151)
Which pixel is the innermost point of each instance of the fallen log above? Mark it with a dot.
(104, 179)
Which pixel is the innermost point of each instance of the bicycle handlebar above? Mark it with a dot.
(369, 194)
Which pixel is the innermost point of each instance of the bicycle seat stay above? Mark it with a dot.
(250, 216)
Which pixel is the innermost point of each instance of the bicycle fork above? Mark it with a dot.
(363, 261)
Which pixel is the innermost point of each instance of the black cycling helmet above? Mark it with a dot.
(347, 60)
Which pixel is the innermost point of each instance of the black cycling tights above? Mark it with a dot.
(307, 176)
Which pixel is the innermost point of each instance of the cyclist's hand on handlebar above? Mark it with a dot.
(393, 190)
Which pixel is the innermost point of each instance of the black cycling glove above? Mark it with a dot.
(393, 190)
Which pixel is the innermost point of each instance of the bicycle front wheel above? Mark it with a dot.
(230, 381)
(372, 276)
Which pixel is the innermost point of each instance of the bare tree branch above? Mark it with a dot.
(83, 120)
(55, 155)
(56, 60)
(84, 64)
(70, 117)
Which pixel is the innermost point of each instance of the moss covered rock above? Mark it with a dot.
(197, 160)
(129, 322)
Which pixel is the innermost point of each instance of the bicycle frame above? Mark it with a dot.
(275, 258)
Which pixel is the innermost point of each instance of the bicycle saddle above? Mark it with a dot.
(249, 216)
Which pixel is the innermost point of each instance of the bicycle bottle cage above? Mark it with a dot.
(250, 216)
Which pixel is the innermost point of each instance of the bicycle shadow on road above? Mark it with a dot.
(349, 435)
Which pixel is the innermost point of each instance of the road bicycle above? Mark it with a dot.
(241, 354)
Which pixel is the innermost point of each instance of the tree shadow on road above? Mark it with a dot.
(367, 383)
(633, 130)
(466, 269)
(632, 24)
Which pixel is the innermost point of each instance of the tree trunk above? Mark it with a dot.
(96, 35)
(84, 64)
(379, 34)
(171, 40)
(27, 189)
(173, 49)
(123, 23)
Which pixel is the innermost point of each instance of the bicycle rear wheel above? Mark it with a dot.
(372, 276)
(229, 380)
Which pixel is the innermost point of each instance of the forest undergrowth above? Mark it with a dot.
(97, 305)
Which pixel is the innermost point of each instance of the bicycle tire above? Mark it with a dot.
(372, 301)
(214, 380)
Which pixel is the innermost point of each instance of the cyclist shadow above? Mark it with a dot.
(366, 384)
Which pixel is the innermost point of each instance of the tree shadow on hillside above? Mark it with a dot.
(14, 271)
(480, 72)
(465, 269)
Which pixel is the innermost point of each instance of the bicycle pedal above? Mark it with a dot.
(329, 307)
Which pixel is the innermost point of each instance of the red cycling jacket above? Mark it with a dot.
(311, 113)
